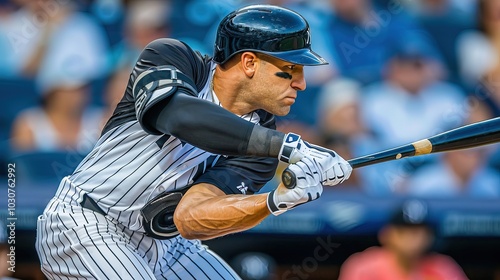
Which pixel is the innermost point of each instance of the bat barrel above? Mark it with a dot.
(472, 135)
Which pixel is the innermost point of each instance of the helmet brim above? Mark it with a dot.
(303, 56)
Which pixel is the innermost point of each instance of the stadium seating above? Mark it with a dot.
(17, 95)
(44, 167)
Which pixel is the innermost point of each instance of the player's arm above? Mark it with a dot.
(166, 102)
(202, 123)
(206, 212)
(219, 202)
(215, 206)
(164, 88)
(214, 129)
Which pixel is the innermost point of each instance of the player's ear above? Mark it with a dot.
(249, 63)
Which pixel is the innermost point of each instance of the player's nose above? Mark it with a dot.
(298, 81)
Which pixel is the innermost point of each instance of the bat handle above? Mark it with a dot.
(290, 180)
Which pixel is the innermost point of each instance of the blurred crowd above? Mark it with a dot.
(399, 71)
(405, 251)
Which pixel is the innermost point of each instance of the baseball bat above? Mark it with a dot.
(468, 136)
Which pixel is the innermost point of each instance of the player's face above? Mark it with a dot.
(276, 85)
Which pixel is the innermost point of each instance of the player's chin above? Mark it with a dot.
(281, 111)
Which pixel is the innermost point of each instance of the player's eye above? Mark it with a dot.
(291, 67)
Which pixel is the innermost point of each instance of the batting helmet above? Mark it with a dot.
(267, 29)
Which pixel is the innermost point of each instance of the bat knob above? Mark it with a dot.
(288, 178)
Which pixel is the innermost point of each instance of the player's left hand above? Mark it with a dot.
(332, 168)
(308, 188)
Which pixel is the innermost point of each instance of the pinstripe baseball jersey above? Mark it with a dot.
(128, 166)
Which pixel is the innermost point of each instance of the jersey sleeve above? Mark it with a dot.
(164, 67)
(242, 175)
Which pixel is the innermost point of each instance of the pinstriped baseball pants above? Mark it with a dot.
(76, 243)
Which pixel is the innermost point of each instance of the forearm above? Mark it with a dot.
(214, 129)
(204, 213)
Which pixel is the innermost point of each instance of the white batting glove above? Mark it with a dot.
(293, 149)
(333, 169)
(307, 189)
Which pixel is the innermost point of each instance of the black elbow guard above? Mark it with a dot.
(154, 86)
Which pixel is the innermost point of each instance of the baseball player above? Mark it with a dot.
(191, 140)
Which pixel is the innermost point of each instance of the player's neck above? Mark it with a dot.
(230, 92)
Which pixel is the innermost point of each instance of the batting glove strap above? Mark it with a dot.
(293, 149)
(271, 204)
(278, 208)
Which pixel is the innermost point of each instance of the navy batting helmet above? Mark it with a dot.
(267, 29)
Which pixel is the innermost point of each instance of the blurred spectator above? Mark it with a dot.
(408, 105)
(404, 252)
(111, 15)
(49, 37)
(5, 263)
(195, 22)
(145, 21)
(63, 122)
(479, 51)
(115, 91)
(7, 9)
(480, 56)
(444, 9)
(340, 125)
(361, 33)
(463, 172)
(338, 109)
(467, 6)
(443, 22)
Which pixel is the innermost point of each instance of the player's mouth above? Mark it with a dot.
(290, 99)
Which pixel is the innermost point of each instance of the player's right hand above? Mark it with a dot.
(332, 168)
(308, 188)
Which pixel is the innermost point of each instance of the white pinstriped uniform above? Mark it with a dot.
(126, 168)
